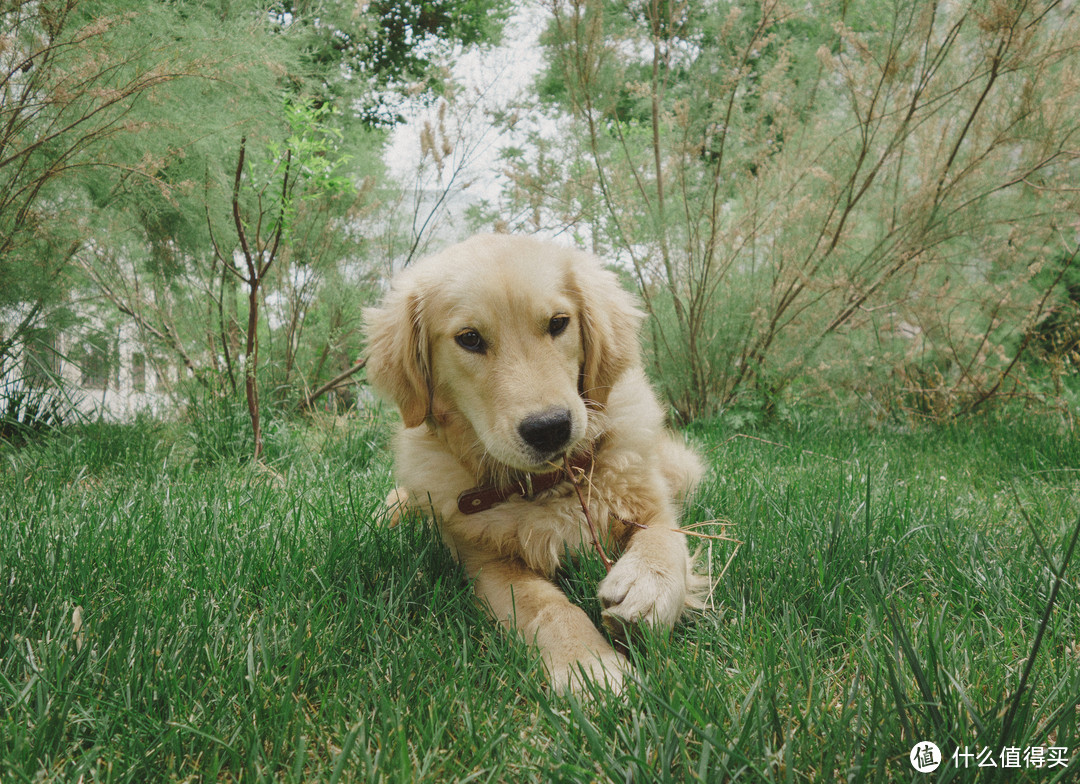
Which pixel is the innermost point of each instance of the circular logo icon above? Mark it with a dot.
(925, 756)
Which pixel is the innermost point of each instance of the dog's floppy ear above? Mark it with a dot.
(399, 364)
(609, 324)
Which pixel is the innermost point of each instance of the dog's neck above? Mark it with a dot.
(528, 486)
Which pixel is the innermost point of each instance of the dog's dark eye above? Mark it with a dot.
(557, 325)
(470, 340)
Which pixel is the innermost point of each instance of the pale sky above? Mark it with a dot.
(491, 78)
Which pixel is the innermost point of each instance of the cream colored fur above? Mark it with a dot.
(462, 410)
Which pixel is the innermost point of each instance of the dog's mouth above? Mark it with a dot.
(538, 463)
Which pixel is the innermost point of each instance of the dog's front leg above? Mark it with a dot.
(570, 645)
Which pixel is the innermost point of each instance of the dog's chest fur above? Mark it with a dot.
(540, 531)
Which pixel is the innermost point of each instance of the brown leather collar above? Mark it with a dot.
(479, 499)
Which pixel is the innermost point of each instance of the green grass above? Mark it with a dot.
(242, 624)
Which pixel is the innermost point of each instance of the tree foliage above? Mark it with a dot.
(67, 88)
(121, 128)
(852, 197)
(395, 49)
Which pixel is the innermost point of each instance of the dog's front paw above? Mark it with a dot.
(397, 505)
(608, 670)
(638, 591)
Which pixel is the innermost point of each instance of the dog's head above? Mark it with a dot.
(513, 338)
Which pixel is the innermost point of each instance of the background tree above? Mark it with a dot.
(68, 86)
(154, 187)
(302, 169)
(848, 198)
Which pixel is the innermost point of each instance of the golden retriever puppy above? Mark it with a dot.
(513, 361)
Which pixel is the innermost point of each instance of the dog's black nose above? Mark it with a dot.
(548, 432)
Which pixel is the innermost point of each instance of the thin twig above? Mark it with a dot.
(731, 558)
(585, 509)
(688, 530)
(333, 383)
(715, 521)
(717, 537)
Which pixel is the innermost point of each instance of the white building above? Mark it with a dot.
(102, 373)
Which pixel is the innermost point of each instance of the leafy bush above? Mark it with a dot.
(30, 403)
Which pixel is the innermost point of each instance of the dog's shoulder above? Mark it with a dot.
(639, 443)
(634, 418)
